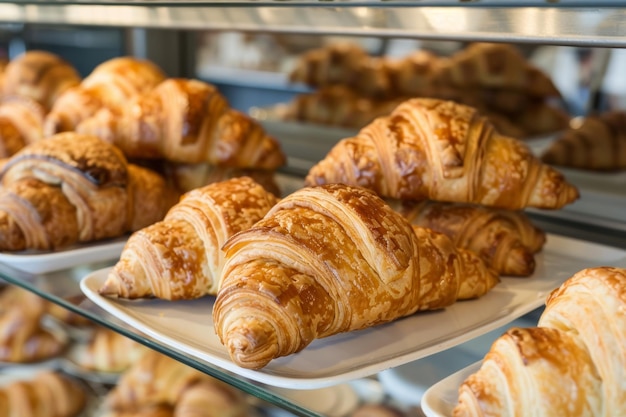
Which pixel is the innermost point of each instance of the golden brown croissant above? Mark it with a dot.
(147, 411)
(46, 394)
(21, 123)
(111, 84)
(75, 188)
(494, 65)
(430, 149)
(598, 143)
(211, 399)
(24, 340)
(573, 364)
(412, 75)
(181, 257)
(333, 259)
(506, 240)
(155, 379)
(108, 351)
(39, 75)
(189, 121)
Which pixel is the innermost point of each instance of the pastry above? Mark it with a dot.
(597, 144)
(40, 76)
(333, 259)
(181, 257)
(573, 364)
(187, 121)
(108, 351)
(430, 149)
(21, 123)
(111, 84)
(73, 188)
(46, 394)
(506, 240)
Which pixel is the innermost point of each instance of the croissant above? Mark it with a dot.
(573, 364)
(189, 121)
(180, 257)
(21, 123)
(40, 76)
(73, 188)
(333, 259)
(598, 143)
(108, 351)
(412, 75)
(111, 84)
(48, 393)
(494, 65)
(148, 411)
(431, 149)
(211, 399)
(506, 240)
(24, 340)
(155, 379)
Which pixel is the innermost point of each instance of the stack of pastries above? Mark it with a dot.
(572, 364)
(444, 166)
(352, 88)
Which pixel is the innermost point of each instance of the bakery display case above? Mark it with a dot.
(373, 365)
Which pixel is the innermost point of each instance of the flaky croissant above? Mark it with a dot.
(430, 149)
(181, 257)
(333, 259)
(505, 239)
(111, 84)
(108, 351)
(46, 394)
(23, 339)
(21, 123)
(573, 364)
(211, 398)
(73, 188)
(189, 121)
(494, 65)
(598, 143)
(40, 76)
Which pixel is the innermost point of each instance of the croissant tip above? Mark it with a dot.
(519, 262)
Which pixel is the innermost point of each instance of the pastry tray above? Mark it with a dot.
(187, 325)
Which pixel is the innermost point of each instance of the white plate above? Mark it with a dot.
(36, 262)
(188, 325)
(439, 400)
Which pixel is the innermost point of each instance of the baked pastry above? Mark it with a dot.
(506, 240)
(21, 123)
(430, 149)
(181, 257)
(188, 121)
(48, 393)
(158, 380)
(598, 144)
(23, 339)
(73, 188)
(494, 65)
(111, 84)
(40, 76)
(573, 364)
(107, 351)
(148, 411)
(333, 259)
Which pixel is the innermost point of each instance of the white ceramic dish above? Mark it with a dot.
(439, 400)
(188, 326)
(35, 262)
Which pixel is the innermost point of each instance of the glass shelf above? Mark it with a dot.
(62, 286)
(583, 23)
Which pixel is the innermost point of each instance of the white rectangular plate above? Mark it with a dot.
(440, 399)
(188, 325)
(36, 262)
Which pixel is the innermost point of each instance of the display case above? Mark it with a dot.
(147, 25)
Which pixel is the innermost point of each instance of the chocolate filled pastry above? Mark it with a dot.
(73, 188)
